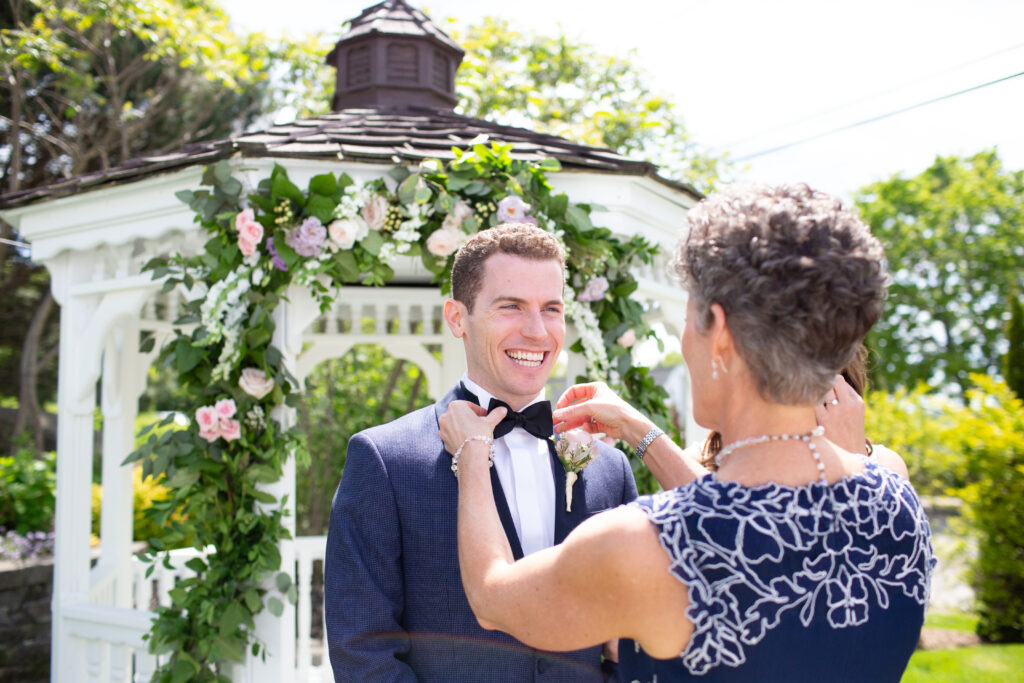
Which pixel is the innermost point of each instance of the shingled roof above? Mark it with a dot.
(395, 136)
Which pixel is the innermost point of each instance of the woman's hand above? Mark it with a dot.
(595, 408)
(463, 420)
(842, 416)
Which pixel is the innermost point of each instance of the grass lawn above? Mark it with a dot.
(980, 664)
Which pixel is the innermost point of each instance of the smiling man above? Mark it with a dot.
(395, 606)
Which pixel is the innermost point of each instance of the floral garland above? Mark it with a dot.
(276, 235)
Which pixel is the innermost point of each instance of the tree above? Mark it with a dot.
(552, 84)
(87, 85)
(1013, 362)
(954, 239)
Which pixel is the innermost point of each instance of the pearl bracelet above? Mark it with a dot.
(479, 437)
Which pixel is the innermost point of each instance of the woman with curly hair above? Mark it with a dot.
(792, 559)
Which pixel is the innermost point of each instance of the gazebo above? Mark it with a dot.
(393, 105)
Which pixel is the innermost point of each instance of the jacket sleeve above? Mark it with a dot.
(629, 492)
(363, 594)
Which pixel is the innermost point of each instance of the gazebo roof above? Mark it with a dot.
(379, 135)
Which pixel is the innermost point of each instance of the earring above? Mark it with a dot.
(714, 368)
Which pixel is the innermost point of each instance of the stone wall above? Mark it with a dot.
(25, 589)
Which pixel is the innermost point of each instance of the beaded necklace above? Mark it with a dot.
(806, 438)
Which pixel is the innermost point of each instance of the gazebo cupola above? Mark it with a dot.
(394, 56)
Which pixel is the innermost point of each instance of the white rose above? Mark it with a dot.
(255, 383)
(443, 242)
(462, 210)
(374, 212)
(347, 231)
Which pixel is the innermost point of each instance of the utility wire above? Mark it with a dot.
(867, 98)
(873, 119)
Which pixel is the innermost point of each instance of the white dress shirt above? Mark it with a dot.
(523, 464)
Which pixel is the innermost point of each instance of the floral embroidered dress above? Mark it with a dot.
(811, 583)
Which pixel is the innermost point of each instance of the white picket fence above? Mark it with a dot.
(108, 640)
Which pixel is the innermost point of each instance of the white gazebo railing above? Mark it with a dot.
(110, 639)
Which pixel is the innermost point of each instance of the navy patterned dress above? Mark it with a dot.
(797, 584)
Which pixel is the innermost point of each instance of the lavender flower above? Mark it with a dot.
(275, 258)
(595, 290)
(308, 239)
(17, 548)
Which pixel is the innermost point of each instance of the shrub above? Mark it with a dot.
(922, 428)
(993, 443)
(27, 491)
(145, 492)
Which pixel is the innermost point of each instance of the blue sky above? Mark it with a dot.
(749, 76)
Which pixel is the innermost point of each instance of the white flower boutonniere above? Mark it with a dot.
(575, 450)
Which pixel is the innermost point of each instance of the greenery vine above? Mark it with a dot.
(332, 233)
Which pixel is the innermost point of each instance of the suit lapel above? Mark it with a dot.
(459, 393)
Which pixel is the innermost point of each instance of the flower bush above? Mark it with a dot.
(276, 235)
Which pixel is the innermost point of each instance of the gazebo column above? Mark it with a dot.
(75, 406)
(124, 379)
(278, 633)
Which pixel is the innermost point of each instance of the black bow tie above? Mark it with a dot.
(534, 418)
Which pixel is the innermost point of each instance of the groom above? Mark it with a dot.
(394, 602)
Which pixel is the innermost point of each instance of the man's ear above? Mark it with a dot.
(455, 314)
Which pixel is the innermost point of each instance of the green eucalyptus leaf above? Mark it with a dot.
(275, 606)
(399, 173)
(283, 580)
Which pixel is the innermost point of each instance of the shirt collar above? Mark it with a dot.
(484, 396)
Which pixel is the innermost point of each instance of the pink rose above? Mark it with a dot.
(225, 408)
(512, 209)
(374, 212)
(247, 248)
(244, 216)
(230, 429)
(627, 339)
(210, 435)
(255, 383)
(595, 290)
(347, 231)
(575, 438)
(443, 242)
(207, 418)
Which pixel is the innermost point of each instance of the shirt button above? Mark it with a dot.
(542, 665)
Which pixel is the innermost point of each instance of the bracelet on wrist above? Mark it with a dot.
(479, 437)
(649, 437)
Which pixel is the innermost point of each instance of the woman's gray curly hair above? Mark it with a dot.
(799, 276)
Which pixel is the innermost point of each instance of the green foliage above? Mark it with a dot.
(555, 85)
(363, 388)
(215, 479)
(925, 430)
(993, 444)
(956, 621)
(953, 237)
(27, 490)
(985, 664)
(1013, 361)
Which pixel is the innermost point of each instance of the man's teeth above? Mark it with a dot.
(527, 358)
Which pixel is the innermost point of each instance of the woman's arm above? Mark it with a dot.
(610, 578)
(596, 408)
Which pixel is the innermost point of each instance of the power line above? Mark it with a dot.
(873, 119)
(868, 98)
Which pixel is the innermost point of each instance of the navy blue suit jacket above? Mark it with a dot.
(394, 602)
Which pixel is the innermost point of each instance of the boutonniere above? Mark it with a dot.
(575, 450)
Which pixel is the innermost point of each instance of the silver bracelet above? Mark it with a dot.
(479, 437)
(649, 437)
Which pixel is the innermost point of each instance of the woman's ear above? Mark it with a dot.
(722, 345)
(455, 315)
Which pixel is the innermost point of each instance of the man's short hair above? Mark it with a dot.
(515, 239)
